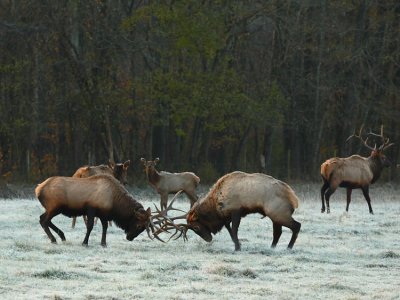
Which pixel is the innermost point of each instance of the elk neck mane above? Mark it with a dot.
(124, 206)
(376, 167)
(153, 176)
(207, 207)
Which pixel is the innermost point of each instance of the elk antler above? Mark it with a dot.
(359, 137)
(160, 222)
(385, 142)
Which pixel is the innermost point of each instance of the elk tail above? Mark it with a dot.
(39, 190)
(292, 198)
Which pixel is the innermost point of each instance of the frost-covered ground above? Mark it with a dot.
(351, 255)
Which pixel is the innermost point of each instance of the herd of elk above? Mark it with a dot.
(166, 183)
(355, 171)
(118, 170)
(231, 198)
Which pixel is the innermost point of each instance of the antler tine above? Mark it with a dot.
(360, 138)
(169, 207)
(385, 142)
(160, 222)
(179, 228)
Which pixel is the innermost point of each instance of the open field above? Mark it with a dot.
(342, 255)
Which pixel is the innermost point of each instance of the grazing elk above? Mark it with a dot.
(236, 195)
(166, 183)
(99, 196)
(118, 170)
(355, 171)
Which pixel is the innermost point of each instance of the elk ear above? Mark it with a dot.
(192, 217)
(126, 164)
(156, 160)
(111, 164)
(142, 214)
(143, 160)
(148, 210)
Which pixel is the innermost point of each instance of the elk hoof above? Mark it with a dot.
(104, 245)
(322, 210)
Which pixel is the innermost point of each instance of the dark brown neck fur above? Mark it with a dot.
(124, 207)
(152, 175)
(376, 167)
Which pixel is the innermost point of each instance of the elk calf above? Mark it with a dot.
(354, 172)
(118, 170)
(166, 183)
(237, 194)
(99, 196)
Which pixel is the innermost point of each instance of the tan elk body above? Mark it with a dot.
(237, 194)
(166, 183)
(99, 196)
(354, 172)
(118, 170)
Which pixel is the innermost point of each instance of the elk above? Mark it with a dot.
(236, 195)
(166, 183)
(118, 170)
(99, 196)
(354, 172)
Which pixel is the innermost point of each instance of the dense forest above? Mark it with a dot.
(207, 86)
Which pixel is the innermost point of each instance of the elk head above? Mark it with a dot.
(138, 224)
(197, 226)
(120, 170)
(149, 165)
(376, 152)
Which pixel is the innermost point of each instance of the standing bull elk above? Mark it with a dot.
(166, 183)
(118, 170)
(99, 196)
(236, 195)
(355, 171)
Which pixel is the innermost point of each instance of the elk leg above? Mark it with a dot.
(89, 227)
(103, 235)
(44, 222)
(295, 227)
(84, 217)
(365, 190)
(236, 216)
(73, 222)
(328, 194)
(323, 189)
(193, 198)
(349, 190)
(57, 230)
(164, 201)
(277, 233)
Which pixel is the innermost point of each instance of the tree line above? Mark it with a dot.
(206, 86)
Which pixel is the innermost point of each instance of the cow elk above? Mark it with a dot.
(166, 183)
(99, 196)
(118, 170)
(236, 195)
(355, 171)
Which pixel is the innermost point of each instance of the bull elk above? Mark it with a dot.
(166, 183)
(355, 171)
(99, 196)
(236, 195)
(118, 170)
